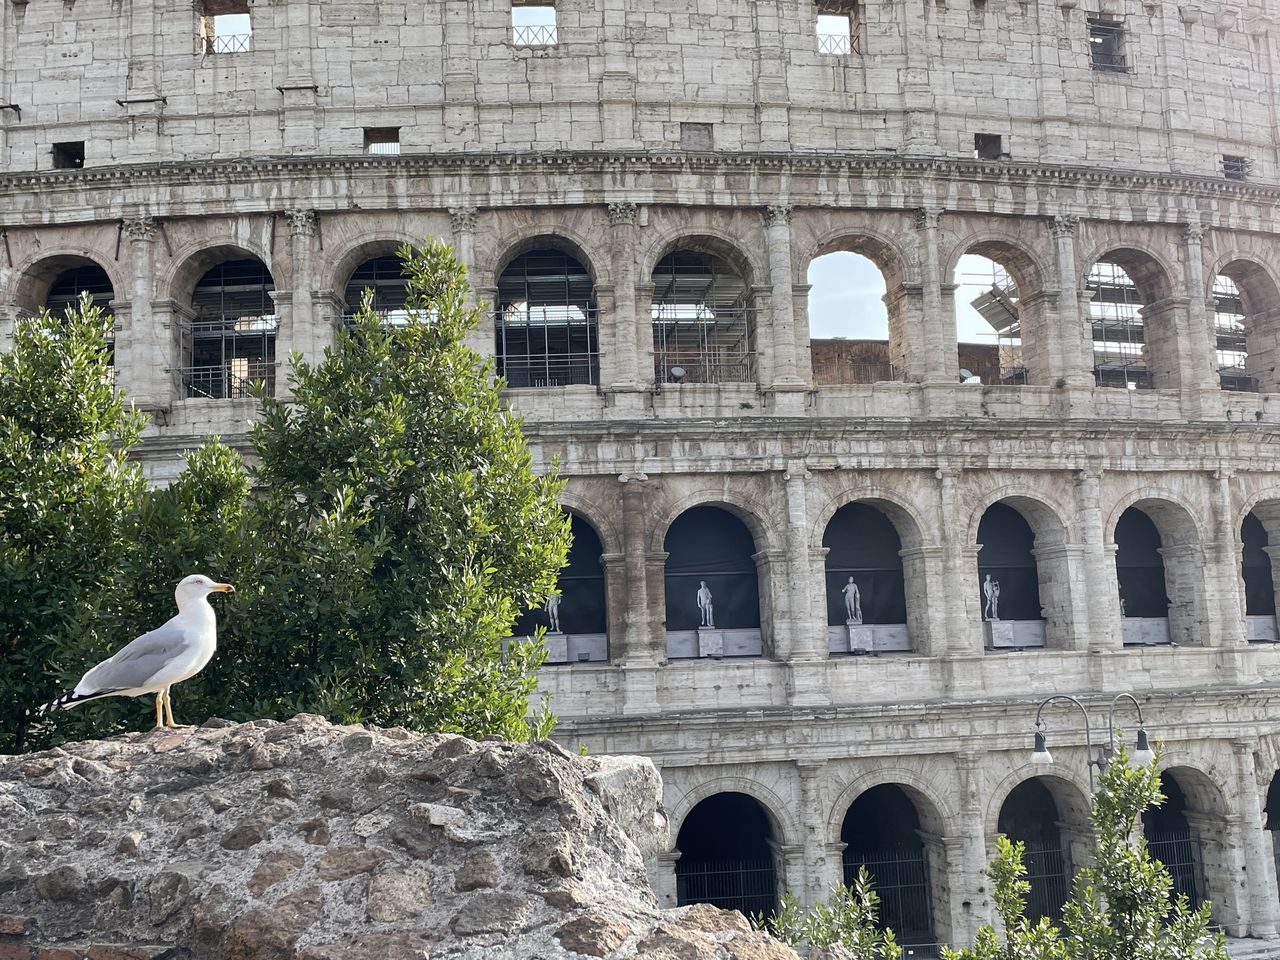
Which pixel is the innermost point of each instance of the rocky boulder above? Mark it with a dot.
(309, 841)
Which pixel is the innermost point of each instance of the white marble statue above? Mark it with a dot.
(552, 607)
(991, 591)
(704, 605)
(852, 602)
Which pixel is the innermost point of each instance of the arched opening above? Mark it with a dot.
(866, 583)
(545, 321)
(230, 343)
(83, 277)
(703, 320)
(849, 320)
(1246, 306)
(1144, 598)
(882, 831)
(1008, 579)
(1173, 841)
(989, 333)
(384, 276)
(574, 617)
(1135, 340)
(712, 586)
(726, 856)
(1272, 819)
(1030, 814)
(1259, 585)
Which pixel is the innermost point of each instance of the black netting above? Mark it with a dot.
(1006, 557)
(1139, 566)
(1259, 589)
(581, 585)
(862, 543)
(712, 545)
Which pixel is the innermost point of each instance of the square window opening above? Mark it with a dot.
(696, 136)
(988, 146)
(835, 34)
(225, 26)
(68, 155)
(534, 24)
(382, 141)
(1235, 167)
(1106, 45)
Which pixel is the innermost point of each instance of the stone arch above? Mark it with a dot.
(192, 261)
(1067, 785)
(1191, 835)
(1181, 556)
(590, 511)
(786, 830)
(541, 236)
(903, 513)
(936, 815)
(882, 249)
(1268, 499)
(358, 249)
(1170, 511)
(1258, 305)
(705, 239)
(34, 276)
(1044, 516)
(749, 512)
(1155, 276)
(1025, 265)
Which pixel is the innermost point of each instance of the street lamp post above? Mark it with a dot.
(1142, 753)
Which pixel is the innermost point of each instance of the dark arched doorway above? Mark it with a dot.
(1259, 587)
(1140, 573)
(725, 855)
(866, 586)
(882, 832)
(85, 277)
(712, 586)
(1172, 840)
(1009, 580)
(1030, 815)
(575, 623)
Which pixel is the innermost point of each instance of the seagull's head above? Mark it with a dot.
(197, 587)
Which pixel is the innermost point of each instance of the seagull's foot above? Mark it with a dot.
(180, 726)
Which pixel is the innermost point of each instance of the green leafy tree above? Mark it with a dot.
(68, 497)
(848, 919)
(399, 529)
(1120, 908)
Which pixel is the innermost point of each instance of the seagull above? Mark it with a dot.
(157, 660)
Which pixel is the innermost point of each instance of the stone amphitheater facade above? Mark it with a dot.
(150, 144)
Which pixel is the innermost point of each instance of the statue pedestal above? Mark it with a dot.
(710, 642)
(557, 647)
(861, 637)
(999, 633)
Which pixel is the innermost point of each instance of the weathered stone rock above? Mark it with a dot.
(398, 894)
(271, 933)
(275, 866)
(480, 869)
(342, 863)
(491, 913)
(246, 834)
(285, 787)
(130, 844)
(64, 884)
(593, 935)
(316, 832)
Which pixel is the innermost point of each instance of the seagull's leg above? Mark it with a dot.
(159, 713)
(168, 708)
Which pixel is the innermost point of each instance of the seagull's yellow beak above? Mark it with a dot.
(223, 588)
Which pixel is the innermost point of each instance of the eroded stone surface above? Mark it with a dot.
(349, 843)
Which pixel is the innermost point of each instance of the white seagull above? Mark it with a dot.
(157, 660)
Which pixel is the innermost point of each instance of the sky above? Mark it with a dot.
(845, 299)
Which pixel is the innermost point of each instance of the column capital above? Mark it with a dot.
(141, 229)
(463, 219)
(777, 214)
(622, 213)
(1194, 232)
(302, 223)
(632, 477)
(928, 218)
(1063, 225)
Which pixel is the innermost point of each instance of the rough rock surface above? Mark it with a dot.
(308, 841)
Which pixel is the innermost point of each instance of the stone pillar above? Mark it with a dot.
(782, 344)
(147, 352)
(618, 85)
(463, 223)
(297, 331)
(1041, 338)
(662, 877)
(1096, 575)
(941, 361)
(907, 352)
(635, 641)
(969, 901)
(616, 602)
(1075, 340)
(1260, 869)
(623, 346)
(1198, 342)
(791, 866)
(1226, 579)
(800, 315)
(964, 631)
(298, 91)
(928, 611)
(1062, 595)
(1189, 610)
(775, 604)
(1225, 867)
(772, 97)
(805, 632)
(822, 871)
(461, 105)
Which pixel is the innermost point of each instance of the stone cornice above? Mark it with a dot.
(1050, 189)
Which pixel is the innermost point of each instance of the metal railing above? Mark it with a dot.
(1179, 851)
(901, 879)
(852, 372)
(550, 371)
(841, 44)
(537, 35)
(704, 369)
(746, 885)
(226, 43)
(220, 383)
(1047, 874)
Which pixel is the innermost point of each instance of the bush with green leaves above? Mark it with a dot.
(848, 919)
(1120, 907)
(387, 532)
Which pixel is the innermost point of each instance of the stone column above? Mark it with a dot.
(970, 904)
(461, 104)
(1062, 595)
(924, 574)
(783, 346)
(296, 331)
(1189, 609)
(616, 602)
(964, 633)
(298, 91)
(907, 352)
(463, 223)
(618, 85)
(1198, 342)
(636, 640)
(623, 347)
(941, 361)
(1260, 870)
(805, 633)
(772, 97)
(147, 352)
(1226, 579)
(1097, 575)
(662, 877)
(1074, 363)
(823, 872)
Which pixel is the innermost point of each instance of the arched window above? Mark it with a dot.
(232, 338)
(703, 321)
(1030, 815)
(70, 284)
(385, 277)
(1141, 575)
(882, 831)
(725, 856)
(712, 586)
(546, 322)
(1246, 306)
(575, 621)
(1008, 580)
(1259, 585)
(988, 329)
(1119, 337)
(866, 587)
(849, 321)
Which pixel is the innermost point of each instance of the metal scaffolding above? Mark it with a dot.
(231, 342)
(385, 277)
(998, 305)
(545, 322)
(1230, 336)
(1119, 346)
(703, 321)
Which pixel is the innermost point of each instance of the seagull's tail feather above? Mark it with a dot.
(71, 699)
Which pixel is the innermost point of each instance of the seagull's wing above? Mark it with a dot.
(139, 661)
